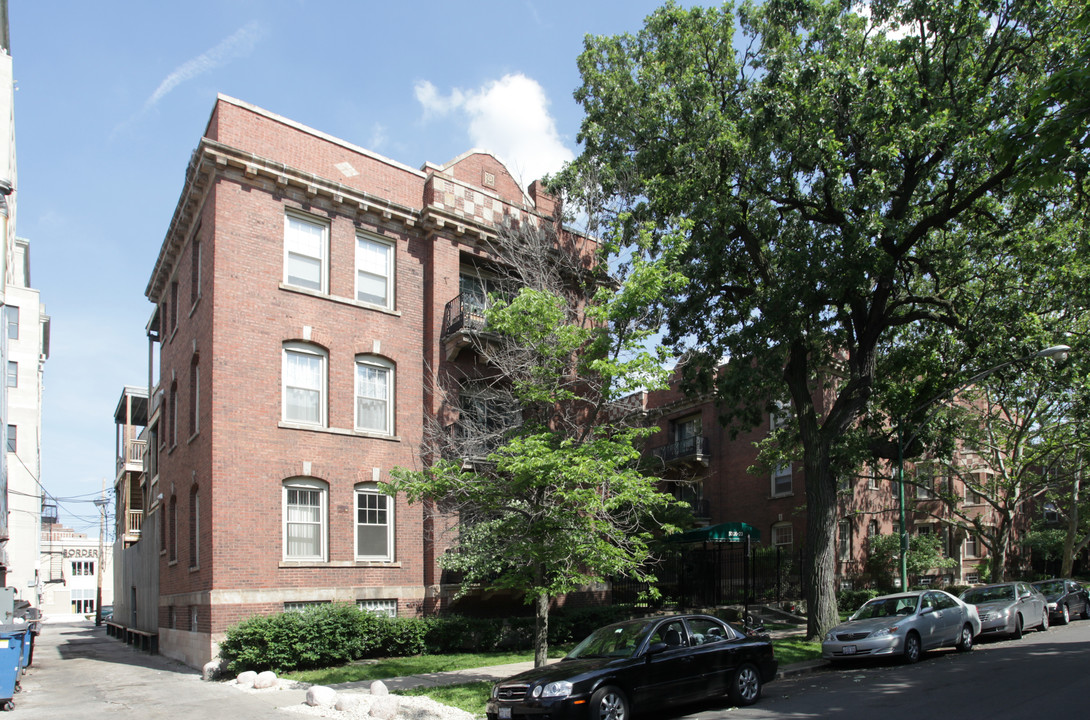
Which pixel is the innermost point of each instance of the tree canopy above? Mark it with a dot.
(859, 201)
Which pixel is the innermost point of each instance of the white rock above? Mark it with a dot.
(212, 670)
(379, 688)
(384, 707)
(266, 679)
(347, 703)
(320, 695)
(246, 679)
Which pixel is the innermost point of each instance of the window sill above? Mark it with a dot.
(286, 425)
(172, 563)
(192, 437)
(194, 568)
(193, 307)
(338, 564)
(777, 496)
(339, 299)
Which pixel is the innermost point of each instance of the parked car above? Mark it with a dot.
(904, 625)
(644, 663)
(1065, 598)
(1008, 608)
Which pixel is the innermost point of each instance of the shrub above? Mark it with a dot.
(852, 600)
(320, 636)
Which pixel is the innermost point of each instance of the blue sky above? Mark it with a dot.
(113, 97)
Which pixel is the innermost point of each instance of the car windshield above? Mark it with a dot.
(1052, 587)
(620, 640)
(887, 607)
(1000, 593)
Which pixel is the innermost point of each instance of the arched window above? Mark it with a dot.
(305, 517)
(304, 383)
(374, 394)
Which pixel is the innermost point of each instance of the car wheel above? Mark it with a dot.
(965, 640)
(1086, 610)
(1044, 621)
(1017, 634)
(608, 703)
(1065, 615)
(745, 686)
(913, 648)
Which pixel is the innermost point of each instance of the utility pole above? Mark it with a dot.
(101, 503)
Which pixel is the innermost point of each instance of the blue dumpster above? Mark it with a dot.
(12, 660)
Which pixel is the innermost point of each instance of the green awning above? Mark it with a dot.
(723, 532)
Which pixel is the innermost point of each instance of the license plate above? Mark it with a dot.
(505, 713)
(849, 650)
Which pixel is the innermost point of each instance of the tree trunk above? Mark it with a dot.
(820, 557)
(541, 629)
(1002, 550)
(1072, 521)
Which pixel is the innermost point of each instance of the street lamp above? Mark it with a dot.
(1058, 352)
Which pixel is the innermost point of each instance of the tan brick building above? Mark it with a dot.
(300, 295)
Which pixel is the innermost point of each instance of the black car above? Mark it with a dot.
(642, 663)
(1065, 598)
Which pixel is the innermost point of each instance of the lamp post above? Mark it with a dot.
(1059, 352)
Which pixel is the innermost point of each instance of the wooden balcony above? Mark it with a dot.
(133, 457)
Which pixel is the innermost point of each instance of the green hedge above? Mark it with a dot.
(327, 635)
(852, 600)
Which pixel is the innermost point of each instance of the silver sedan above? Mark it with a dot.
(904, 625)
(1008, 608)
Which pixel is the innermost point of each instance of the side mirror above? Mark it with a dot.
(656, 648)
(926, 610)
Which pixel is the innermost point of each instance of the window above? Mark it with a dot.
(195, 269)
(303, 606)
(172, 614)
(780, 415)
(374, 271)
(305, 243)
(925, 484)
(13, 438)
(192, 618)
(194, 527)
(304, 384)
(172, 547)
(13, 374)
(172, 417)
(844, 544)
(83, 600)
(1051, 512)
(688, 435)
(384, 608)
(972, 546)
(174, 305)
(194, 397)
(374, 524)
(374, 395)
(924, 529)
(972, 578)
(781, 480)
(304, 519)
(11, 314)
(783, 535)
(83, 567)
(972, 497)
(872, 528)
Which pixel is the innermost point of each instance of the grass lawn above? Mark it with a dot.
(470, 697)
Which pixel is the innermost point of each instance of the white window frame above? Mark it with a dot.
(778, 474)
(296, 348)
(293, 247)
(971, 546)
(375, 363)
(386, 276)
(310, 486)
(778, 535)
(13, 374)
(844, 540)
(371, 491)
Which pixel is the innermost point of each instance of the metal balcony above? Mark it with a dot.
(690, 450)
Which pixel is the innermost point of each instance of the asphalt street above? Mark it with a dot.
(1045, 674)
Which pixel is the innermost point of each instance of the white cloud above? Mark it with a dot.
(508, 117)
(239, 44)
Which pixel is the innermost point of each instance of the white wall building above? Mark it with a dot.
(26, 328)
(69, 574)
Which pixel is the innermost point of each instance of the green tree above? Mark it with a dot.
(841, 192)
(884, 557)
(542, 473)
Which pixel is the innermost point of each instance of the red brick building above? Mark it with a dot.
(300, 295)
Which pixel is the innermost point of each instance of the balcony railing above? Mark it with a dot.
(688, 449)
(463, 313)
(134, 521)
(133, 454)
